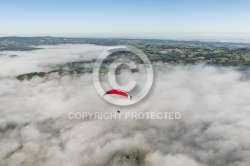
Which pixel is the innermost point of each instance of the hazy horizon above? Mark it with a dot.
(158, 36)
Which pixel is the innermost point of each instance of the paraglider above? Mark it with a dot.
(118, 92)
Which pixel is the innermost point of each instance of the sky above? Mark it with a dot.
(130, 17)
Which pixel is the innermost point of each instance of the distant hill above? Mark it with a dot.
(31, 43)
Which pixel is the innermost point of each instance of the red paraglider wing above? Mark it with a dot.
(118, 92)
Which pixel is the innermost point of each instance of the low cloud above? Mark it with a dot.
(19, 62)
(214, 129)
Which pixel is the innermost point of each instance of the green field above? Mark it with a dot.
(247, 57)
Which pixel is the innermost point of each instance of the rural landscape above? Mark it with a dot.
(124, 83)
(43, 79)
(165, 51)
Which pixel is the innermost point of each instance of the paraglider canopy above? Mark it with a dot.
(118, 92)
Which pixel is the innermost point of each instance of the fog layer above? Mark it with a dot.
(214, 129)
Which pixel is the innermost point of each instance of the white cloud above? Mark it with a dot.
(38, 60)
(213, 131)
